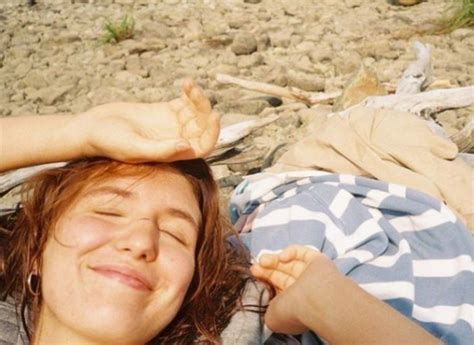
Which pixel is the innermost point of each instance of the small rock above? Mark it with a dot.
(244, 43)
(35, 79)
(220, 171)
(22, 52)
(224, 69)
(51, 94)
(263, 41)
(24, 39)
(249, 106)
(67, 37)
(132, 62)
(378, 49)
(47, 110)
(281, 38)
(462, 33)
(347, 62)
(153, 94)
(215, 28)
(18, 97)
(127, 78)
(305, 82)
(22, 69)
(109, 94)
(363, 84)
(252, 1)
(247, 61)
(116, 65)
(199, 61)
(134, 47)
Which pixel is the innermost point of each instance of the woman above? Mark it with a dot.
(106, 252)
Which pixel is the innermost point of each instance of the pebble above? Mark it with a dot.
(314, 46)
(244, 43)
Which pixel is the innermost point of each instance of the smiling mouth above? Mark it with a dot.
(124, 278)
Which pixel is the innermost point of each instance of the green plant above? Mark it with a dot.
(116, 32)
(460, 13)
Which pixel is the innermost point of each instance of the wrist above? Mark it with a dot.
(73, 135)
(324, 294)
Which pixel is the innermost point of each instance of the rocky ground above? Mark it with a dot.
(52, 59)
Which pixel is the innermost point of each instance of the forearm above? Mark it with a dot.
(31, 140)
(349, 315)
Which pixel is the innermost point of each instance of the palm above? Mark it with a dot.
(136, 132)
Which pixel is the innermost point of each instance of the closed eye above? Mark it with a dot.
(108, 213)
(171, 234)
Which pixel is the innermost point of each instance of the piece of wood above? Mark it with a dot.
(424, 104)
(232, 134)
(11, 179)
(417, 75)
(464, 139)
(228, 137)
(309, 98)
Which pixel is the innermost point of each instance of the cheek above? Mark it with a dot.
(84, 234)
(178, 266)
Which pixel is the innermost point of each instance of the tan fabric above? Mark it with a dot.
(391, 146)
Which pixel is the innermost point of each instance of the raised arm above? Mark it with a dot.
(313, 295)
(184, 128)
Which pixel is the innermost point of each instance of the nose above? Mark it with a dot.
(140, 239)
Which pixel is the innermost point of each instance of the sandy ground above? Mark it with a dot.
(52, 59)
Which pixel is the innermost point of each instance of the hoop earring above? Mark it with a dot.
(33, 282)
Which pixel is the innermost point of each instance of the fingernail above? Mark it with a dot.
(181, 146)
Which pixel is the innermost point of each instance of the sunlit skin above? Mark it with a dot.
(282, 269)
(121, 263)
(184, 128)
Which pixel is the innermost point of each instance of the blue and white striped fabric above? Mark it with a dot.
(400, 245)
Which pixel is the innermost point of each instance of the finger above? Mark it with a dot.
(280, 280)
(298, 252)
(210, 136)
(197, 97)
(188, 84)
(269, 261)
(293, 268)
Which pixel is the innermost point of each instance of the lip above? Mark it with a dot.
(125, 275)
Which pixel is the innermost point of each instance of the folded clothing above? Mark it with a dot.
(401, 245)
(391, 146)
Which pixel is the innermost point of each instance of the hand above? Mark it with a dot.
(295, 273)
(184, 128)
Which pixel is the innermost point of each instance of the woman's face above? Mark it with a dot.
(122, 259)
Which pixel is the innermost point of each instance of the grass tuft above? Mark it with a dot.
(116, 32)
(458, 14)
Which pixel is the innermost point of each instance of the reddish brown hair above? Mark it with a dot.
(221, 267)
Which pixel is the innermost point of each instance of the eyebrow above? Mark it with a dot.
(126, 194)
(172, 211)
(111, 190)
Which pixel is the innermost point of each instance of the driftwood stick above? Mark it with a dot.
(228, 137)
(14, 178)
(464, 139)
(418, 73)
(309, 98)
(423, 104)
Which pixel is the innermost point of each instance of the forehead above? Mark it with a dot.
(163, 187)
